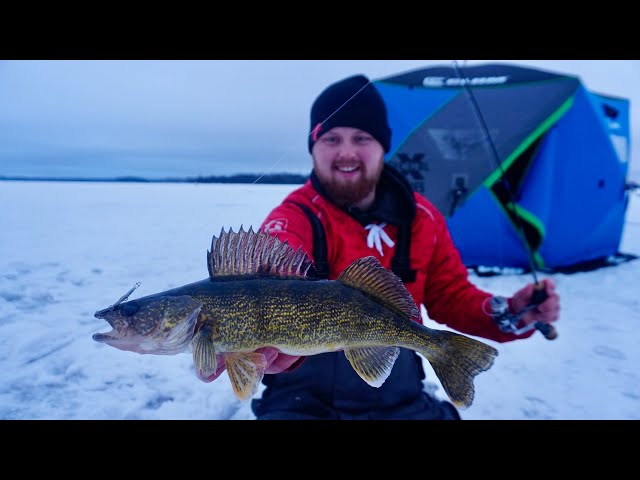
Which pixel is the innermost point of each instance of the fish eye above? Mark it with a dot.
(130, 308)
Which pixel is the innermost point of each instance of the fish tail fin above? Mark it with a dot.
(369, 276)
(456, 359)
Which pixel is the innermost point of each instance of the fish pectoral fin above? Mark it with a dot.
(204, 355)
(373, 364)
(245, 371)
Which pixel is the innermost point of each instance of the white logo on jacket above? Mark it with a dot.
(276, 225)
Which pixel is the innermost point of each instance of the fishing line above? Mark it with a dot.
(270, 169)
(495, 219)
(311, 133)
(266, 171)
(539, 292)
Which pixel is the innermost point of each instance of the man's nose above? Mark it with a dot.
(348, 150)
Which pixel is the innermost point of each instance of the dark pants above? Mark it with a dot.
(325, 387)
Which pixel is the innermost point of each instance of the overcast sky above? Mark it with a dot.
(185, 117)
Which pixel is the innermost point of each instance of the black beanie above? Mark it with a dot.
(353, 102)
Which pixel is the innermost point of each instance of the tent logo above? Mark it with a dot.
(457, 82)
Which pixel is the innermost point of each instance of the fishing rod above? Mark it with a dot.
(539, 292)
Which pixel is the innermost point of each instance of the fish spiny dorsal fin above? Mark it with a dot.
(367, 275)
(294, 263)
(281, 258)
(233, 243)
(211, 261)
(254, 253)
(301, 264)
(227, 253)
(249, 249)
(242, 247)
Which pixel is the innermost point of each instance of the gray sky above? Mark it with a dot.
(181, 118)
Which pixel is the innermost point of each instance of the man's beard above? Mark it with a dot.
(347, 193)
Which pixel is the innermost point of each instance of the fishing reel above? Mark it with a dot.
(507, 322)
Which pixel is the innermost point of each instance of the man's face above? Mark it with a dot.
(348, 163)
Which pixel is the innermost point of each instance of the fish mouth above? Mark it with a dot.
(119, 340)
(103, 337)
(155, 342)
(133, 343)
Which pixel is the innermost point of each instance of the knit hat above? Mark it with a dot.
(353, 102)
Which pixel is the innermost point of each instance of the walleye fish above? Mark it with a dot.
(258, 294)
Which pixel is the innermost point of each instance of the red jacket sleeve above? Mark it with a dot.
(450, 298)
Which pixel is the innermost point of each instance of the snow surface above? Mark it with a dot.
(70, 249)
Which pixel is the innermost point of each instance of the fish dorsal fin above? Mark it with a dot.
(367, 275)
(254, 253)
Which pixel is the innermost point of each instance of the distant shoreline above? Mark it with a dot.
(274, 178)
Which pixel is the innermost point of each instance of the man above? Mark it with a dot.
(367, 208)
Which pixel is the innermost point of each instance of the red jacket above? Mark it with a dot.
(441, 282)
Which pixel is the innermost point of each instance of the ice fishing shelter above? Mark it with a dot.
(477, 140)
